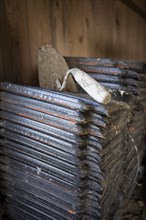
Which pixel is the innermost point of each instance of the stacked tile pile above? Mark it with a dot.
(115, 75)
(127, 82)
(61, 155)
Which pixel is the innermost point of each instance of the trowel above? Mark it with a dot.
(51, 70)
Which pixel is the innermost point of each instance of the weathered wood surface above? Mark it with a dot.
(100, 28)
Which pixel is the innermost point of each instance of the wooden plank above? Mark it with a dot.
(59, 22)
(141, 40)
(59, 29)
(136, 6)
(141, 4)
(4, 44)
(15, 43)
(79, 30)
(1, 41)
(38, 28)
(23, 33)
(74, 26)
(132, 38)
(120, 31)
(100, 28)
(88, 32)
(144, 44)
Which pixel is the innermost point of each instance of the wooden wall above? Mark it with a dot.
(101, 28)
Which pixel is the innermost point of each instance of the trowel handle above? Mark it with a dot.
(91, 86)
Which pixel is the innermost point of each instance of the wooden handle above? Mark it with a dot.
(91, 86)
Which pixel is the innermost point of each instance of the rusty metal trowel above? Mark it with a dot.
(51, 70)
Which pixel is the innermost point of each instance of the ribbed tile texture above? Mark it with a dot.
(127, 82)
(116, 75)
(62, 156)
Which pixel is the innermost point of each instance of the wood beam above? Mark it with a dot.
(135, 7)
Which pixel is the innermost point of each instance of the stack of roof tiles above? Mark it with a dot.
(127, 82)
(61, 156)
(126, 76)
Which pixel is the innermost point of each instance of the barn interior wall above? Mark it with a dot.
(99, 28)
